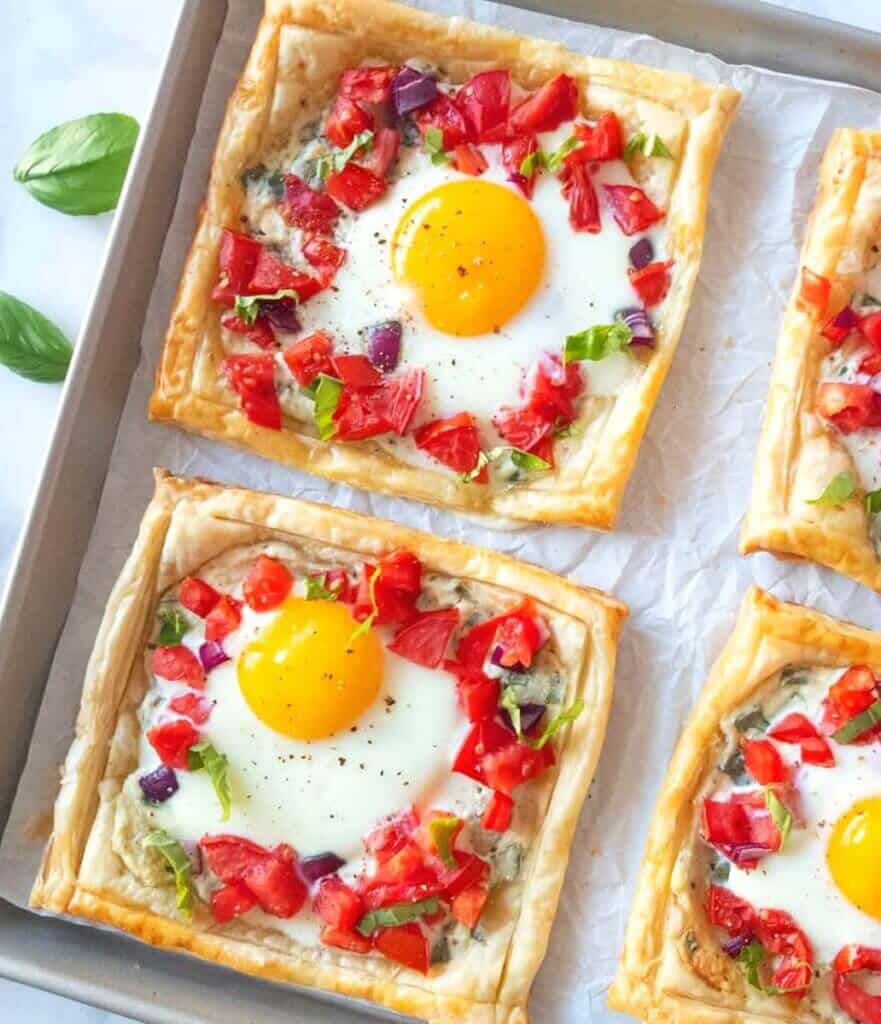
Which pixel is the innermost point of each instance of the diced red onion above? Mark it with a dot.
(496, 659)
(281, 313)
(530, 715)
(384, 345)
(157, 786)
(847, 319)
(319, 865)
(192, 849)
(637, 319)
(733, 946)
(641, 253)
(411, 89)
(212, 654)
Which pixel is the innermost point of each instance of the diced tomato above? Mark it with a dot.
(326, 257)
(352, 941)
(379, 894)
(355, 371)
(730, 912)
(383, 153)
(506, 769)
(763, 762)
(862, 1006)
(337, 582)
(601, 141)
(552, 388)
(856, 690)
(197, 596)
(631, 207)
(870, 328)
(454, 441)
(399, 398)
(469, 160)
(406, 944)
(584, 208)
(839, 325)
(779, 934)
(849, 407)
(498, 813)
(390, 406)
(425, 639)
(547, 108)
(275, 882)
(230, 857)
(308, 357)
(237, 258)
(307, 209)
(485, 737)
(346, 120)
(260, 332)
(514, 152)
(179, 665)
(856, 958)
(230, 901)
(484, 101)
(356, 187)
(395, 589)
(519, 635)
(652, 282)
(471, 870)
(871, 363)
(267, 584)
(172, 740)
(358, 416)
(798, 728)
(813, 292)
(391, 836)
(443, 114)
(368, 84)
(478, 694)
(192, 706)
(224, 618)
(272, 275)
(338, 904)
(524, 428)
(406, 866)
(253, 380)
(740, 828)
(520, 627)
(468, 905)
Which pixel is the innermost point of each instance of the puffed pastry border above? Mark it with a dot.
(190, 521)
(655, 981)
(301, 47)
(797, 454)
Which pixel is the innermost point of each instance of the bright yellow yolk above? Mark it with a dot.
(305, 675)
(473, 252)
(853, 853)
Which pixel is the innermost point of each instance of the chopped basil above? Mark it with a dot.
(508, 862)
(473, 474)
(179, 862)
(837, 491)
(247, 307)
(433, 141)
(751, 721)
(317, 591)
(173, 626)
(511, 704)
(552, 161)
(873, 502)
(368, 622)
(327, 397)
(779, 815)
(205, 756)
(440, 951)
(641, 144)
(442, 831)
(337, 160)
(553, 727)
(521, 459)
(597, 342)
(752, 956)
(861, 723)
(397, 913)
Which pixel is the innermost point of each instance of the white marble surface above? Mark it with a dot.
(62, 59)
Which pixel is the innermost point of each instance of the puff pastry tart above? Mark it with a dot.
(817, 488)
(442, 261)
(327, 749)
(759, 896)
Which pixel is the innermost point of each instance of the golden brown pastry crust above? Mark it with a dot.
(301, 47)
(657, 979)
(798, 455)
(189, 522)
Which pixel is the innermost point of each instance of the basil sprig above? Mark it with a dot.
(31, 345)
(177, 859)
(205, 756)
(173, 626)
(79, 167)
(597, 342)
(837, 491)
(397, 913)
(856, 726)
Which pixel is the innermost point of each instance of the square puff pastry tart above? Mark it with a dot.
(778, 664)
(815, 430)
(95, 867)
(676, 125)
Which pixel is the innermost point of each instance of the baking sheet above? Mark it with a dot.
(673, 559)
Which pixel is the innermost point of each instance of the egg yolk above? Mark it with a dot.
(306, 676)
(853, 852)
(473, 252)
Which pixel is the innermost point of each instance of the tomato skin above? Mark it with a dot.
(384, 152)
(337, 904)
(307, 209)
(552, 388)
(442, 113)
(506, 769)
(584, 208)
(368, 84)
(352, 941)
(484, 101)
(728, 911)
(631, 207)
(871, 363)
(260, 332)
(399, 398)
(863, 1007)
(406, 944)
(223, 619)
(870, 328)
(253, 380)
(601, 141)
(652, 282)
(453, 441)
(524, 428)
(356, 371)
(179, 665)
(308, 357)
(813, 292)
(356, 187)
(849, 407)
(237, 258)
(197, 596)
(267, 584)
(779, 934)
(172, 741)
(469, 160)
(191, 706)
(326, 257)
(229, 857)
(391, 836)
(485, 737)
(763, 762)
(425, 640)
(478, 694)
(272, 275)
(498, 813)
(547, 108)
(230, 901)
(345, 121)
(396, 589)
(798, 728)
(270, 875)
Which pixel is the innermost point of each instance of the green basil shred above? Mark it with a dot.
(177, 859)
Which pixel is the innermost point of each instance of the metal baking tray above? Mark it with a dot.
(95, 966)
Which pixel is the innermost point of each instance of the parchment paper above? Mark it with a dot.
(673, 559)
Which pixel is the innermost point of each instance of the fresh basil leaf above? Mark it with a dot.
(873, 502)
(554, 161)
(173, 626)
(837, 491)
(397, 913)
(205, 756)
(473, 474)
(531, 162)
(856, 726)
(31, 345)
(317, 591)
(433, 141)
(635, 145)
(179, 862)
(657, 147)
(780, 815)
(511, 704)
(641, 144)
(79, 167)
(557, 723)
(521, 459)
(751, 720)
(327, 398)
(752, 956)
(597, 342)
(368, 622)
(247, 307)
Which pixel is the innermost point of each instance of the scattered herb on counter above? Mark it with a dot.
(31, 345)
